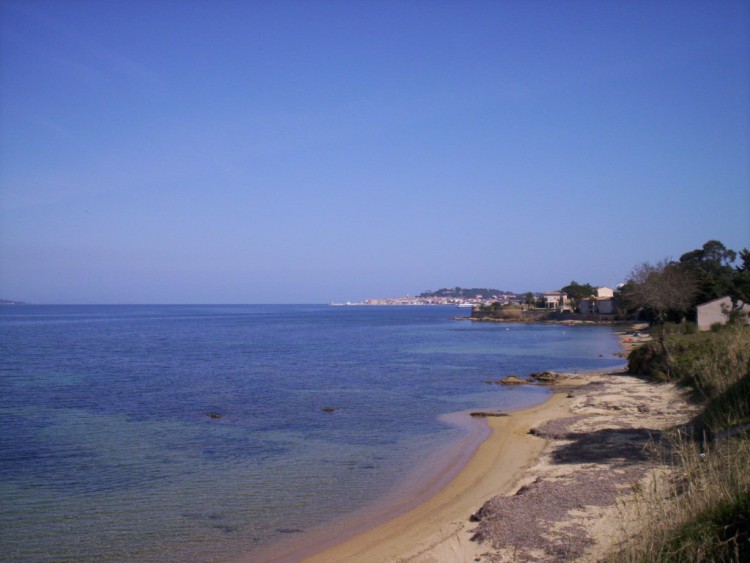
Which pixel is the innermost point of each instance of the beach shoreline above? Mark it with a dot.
(441, 524)
(434, 475)
(439, 527)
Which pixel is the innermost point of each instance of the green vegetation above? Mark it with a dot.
(576, 291)
(670, 290)
(702, 513)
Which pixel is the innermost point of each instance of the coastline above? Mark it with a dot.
(439, 527)
(590, 435)
(411, 500)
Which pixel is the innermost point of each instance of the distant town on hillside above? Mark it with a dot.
(448, 296)
(466, 293)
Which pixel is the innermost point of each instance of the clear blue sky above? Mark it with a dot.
(178, 151)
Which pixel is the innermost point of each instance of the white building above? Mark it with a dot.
(605, 292)
(556, 300)
(717, 312)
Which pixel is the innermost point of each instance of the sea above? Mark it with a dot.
(209, 433)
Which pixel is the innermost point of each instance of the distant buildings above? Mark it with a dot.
(603, 303)
(557, 300)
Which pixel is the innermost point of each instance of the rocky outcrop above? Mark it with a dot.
(549, 377)
(512, 380)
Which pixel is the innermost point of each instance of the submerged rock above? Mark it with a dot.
(512, 380)
(329, 409)
(548, 376)
(213, 414)
(483, 414)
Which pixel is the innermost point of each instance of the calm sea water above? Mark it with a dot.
(108, 450)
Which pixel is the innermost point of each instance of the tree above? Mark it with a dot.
(711, 267)
(665, 289)
(529, 298)
(741, 286)
(745, 257)
(576, 292)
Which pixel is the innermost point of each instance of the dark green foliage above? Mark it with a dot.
(671, 290)
(721, 533)
(577, 291)
(684, 327)
(713, 268)
(728, 410)
(742, 277)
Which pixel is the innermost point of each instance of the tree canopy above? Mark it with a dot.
(577, 291)
(711, 267)
(663, 289)
(670, 290)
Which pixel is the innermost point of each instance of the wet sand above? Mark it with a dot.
(550, 483)
(441, 483)
(439, 528)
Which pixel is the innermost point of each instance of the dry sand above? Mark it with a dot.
(551, 483)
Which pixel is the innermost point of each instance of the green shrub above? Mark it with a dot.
(728, 410)
(709, 362)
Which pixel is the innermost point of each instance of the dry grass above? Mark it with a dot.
(723, 364)
(702, 511)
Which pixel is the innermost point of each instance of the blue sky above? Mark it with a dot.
(164, 151)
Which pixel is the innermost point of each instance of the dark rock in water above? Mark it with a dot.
(329, 409)
(482, 414)
(512, 380)
(548, 376)
(214, 415)
(289, 530)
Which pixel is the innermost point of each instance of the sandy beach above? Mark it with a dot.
(550, 483)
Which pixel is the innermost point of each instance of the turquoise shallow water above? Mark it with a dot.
(109, 453)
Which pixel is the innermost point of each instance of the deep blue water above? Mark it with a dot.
(108, 452)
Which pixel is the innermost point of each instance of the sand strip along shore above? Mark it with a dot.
(439, 528)
(553, 482)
